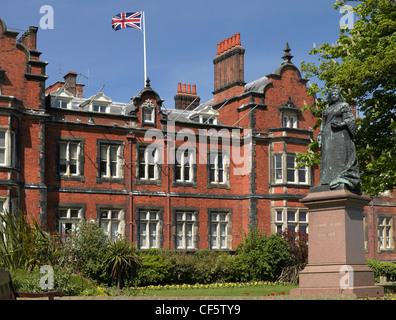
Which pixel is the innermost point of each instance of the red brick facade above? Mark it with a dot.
(193, 177)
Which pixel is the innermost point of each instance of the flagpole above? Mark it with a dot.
(144, 48)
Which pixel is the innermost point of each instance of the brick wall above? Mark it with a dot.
(248, 198)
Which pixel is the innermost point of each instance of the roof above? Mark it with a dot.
(257, 85)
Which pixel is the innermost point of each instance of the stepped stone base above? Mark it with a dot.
(336, 262)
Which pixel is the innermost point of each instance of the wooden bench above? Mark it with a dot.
(7, 290)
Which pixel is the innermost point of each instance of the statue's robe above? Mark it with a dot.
(339, 164)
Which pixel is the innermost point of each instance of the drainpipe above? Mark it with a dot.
(373, 231)
(168, 145)
(131, 139)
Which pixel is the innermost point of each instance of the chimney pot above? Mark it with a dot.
(238, 39)
(179, 89)
(185, 99)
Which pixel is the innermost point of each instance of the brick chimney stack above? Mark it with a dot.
(229, 79)
(186, 97)
(29, 38)
(71, 84)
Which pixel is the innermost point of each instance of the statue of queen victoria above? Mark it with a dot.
(339, 166)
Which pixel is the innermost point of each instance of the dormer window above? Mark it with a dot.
(97, 103)
(205, 114)
(289, 112)
(61, 99)
(208, 119)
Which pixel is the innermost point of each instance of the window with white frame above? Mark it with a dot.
(148, 115)
(111, 160)
(149, 162)
(69, 158)
(8, 204)
(294, 219)
(186, 225)
(8, 148)
(99, 108)
(386, 233)
(278, 168)
(208, 119)
(69, 217)
(149, 229)
(3, 147)
(289, 120)
(14, 205)
(184, 166)
(111, 221)
(3, 205)
(365, 232)
(219, 230)
(148, 112)
(218, 168)
(61, 104)
(287, 163)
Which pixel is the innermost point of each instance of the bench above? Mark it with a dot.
(7, 290)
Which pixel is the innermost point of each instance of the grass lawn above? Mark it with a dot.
(247, 290)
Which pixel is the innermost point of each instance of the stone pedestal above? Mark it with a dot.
(336, 262)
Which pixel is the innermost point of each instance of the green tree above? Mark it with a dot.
(122, 259)
(363, 64)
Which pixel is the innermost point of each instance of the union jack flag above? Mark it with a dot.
(127, 20)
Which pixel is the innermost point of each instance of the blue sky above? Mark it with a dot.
(181, 36)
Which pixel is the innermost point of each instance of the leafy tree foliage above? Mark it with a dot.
(363, 64)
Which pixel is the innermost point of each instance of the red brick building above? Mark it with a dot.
(193, 177)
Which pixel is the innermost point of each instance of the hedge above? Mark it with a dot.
(383, 268)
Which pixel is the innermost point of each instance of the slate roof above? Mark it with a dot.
(122, 108)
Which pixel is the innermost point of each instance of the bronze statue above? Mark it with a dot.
(339, 166)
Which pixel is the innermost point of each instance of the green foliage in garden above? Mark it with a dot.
(385, 269)
(24, 244)
(87, 261)
(261, 257)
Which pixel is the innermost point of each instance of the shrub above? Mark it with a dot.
(383, 268)
(298, 242)
(70, 284)
(261, 257)
(154, 269)
(183, 270)
(23, 244)
(85, 251)
(211, 266)
(201, 266)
